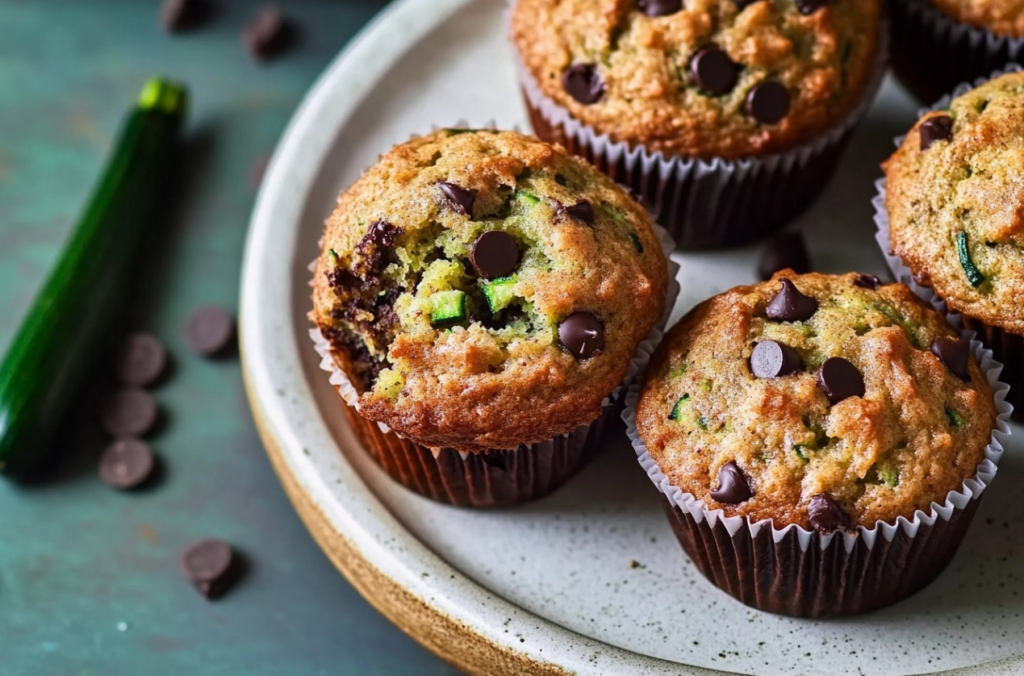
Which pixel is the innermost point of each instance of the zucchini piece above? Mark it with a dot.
(955, 418)
(530, 199)
(447, 307)
(963, 250)
(499, 293)
(801, 453)
(636, 242)
(677, 410)
(889, 476)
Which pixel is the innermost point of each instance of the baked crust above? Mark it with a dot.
(1002, 17)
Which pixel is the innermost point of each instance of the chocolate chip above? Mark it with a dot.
(935, 128)
(583, 83)
(825, 515)
(714, 71)
(209, 331)
(494, 254)
(732, 485)
(784, 250)
(130, 412)
(768, 102)
(126, 464)
(181, 15)
(210, 565)
(660, 7)
(839, 380)
(807, 7)
(140, 360)
(267, 34)
(866, 281)
(582, 334)
(789, 305)
(373, 250)
(954, 353)
(581, 211)
(461, 199)
(771, 359)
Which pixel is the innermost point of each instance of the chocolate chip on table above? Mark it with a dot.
(768, 102)
(866, 281)
(789, 305)
(771, 359)
(461, 199)
(732, 485)
(784, 250)
(266, 34)
(825, 515)
(210, 565)
(807, 7)
(140, 360)
(129, 412)
(714, 71)
(660, 7)
(582, 211)
(935, 128)
(181, 15)
(494, 254)
(583, 83)
(126, 464)
(954, 353)
(209, 330)
(839, 380)
(582, 334)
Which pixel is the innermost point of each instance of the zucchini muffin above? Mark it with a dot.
(485, 292)
(830, 403)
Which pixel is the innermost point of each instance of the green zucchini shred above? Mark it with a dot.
(889, 476)
(799, 450)
(974, 275)
(447, 307)
(527, 197)
(499, 293)
(677, 410)
(955, 418)
(636, 242)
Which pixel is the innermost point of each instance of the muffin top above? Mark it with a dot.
(818, 400)
(485, 289)
(1002, 17)
(713, 78)
(955, 197)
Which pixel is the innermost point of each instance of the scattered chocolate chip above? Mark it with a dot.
(768, 102)
(582, 334)
(732, 485)
(140, 360)
(494, 254)
(714, 71)
(954, 353)
(267, 34)
(660, 7)
(373, 250)
(209, 330)
(866, 281)
(461, 199)
(581, 211)
(935, 128)
(182, 15)
(839, 380)
(771, 359)
(210, 565)
(789, 305)
(583, 83)
(825, 515)
(807, 7)
(126, 464)
(784, 250)
(129, 412)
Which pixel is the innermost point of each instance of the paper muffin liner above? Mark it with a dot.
(802, 573)
(932, 52)
(1007, 347)
(708, 203)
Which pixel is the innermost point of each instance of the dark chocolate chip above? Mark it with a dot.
(935, 128)
(807, 7)
(267, 34)
(140, 360)
(789, 305)
(784, 250)
(126, 464)
(210, 566)
(581, 211)
(771, 359)
(461, 199)
(494, 254)
(182, 15)
(130, 412)
(839, 380)
(732, 485)
(582, 334)
(209, 330)
(866, 281)
(374, 250)
(714, 71)
(954, 353)
(583, 83)
(660, 7)
(768, 102)
(825, 515)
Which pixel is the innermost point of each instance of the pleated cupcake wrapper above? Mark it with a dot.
(794, 571)
(932, 52)
(711, 203)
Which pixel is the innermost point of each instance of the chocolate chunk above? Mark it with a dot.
(126, 464)
(714, 71)
(209, 330)
(210, 565)
(660, 7)
(954, 353)
(582, 334)
(825, 515)
(494, 254)
(807, 7)
(182, 15)
(374, 250)
(732, 485)
(784, 250)
(267, 34)
(935, 128)
(583, 83)
(839, 380)
(140, 360)
(771, 359)
(789, 305)
(866, 281)
(461, 199)
(130, 412)
(768, 102)
(581, 211)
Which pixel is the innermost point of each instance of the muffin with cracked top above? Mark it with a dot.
(483, 294)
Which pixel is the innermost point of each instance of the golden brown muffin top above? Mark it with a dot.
(1002, 17)
(643, 71)
(955, 197)
(881, 436)
(486, 289)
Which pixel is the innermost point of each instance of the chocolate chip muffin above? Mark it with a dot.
(483, 292)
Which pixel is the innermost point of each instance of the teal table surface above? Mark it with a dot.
(89, 578)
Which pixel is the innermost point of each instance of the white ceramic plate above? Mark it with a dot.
(548, 588)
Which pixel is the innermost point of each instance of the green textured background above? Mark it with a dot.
(77, 559)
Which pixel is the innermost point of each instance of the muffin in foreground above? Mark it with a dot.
(482, 295)
(632, 82)
(793, 423)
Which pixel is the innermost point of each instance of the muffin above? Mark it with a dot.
(791, 421)
(726, 117)
(480, 296)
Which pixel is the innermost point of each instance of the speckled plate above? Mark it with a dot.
(589, 581)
